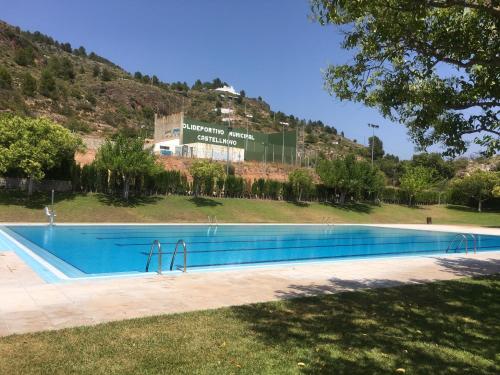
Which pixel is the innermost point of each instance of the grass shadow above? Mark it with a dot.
(469, 209)
(204, 202)
(365, 208)
(445, 327)
(299, 204)
(37, 200)
(117, 201)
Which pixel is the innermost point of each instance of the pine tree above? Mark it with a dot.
(5, 79)
(48, 85)
(28, 86)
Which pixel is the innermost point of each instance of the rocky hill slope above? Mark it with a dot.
(89, 94)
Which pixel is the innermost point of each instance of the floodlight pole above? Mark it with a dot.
(283, 147)
(229, 129)
(373, 126)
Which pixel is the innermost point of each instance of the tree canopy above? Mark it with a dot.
(34, 145)
(479, 185)
(205, 175)
(378, 147)
(301, 181)
(432, 65)
(350, 177)
(127, 158)
(415, 180)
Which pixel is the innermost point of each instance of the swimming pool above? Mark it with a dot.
(98, 250)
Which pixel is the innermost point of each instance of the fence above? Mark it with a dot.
(16, 183)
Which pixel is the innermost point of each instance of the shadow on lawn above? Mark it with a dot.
(437, 328)
(299, 204)
(37, 201)
(469, 209)
(204, 202)
(117, 201)
(365, 208)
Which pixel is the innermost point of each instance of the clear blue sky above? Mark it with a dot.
(265, 47)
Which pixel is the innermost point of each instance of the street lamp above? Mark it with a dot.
(373, 126)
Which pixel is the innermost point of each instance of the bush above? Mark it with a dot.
(48, 85)
(107, 75)
(24, 56)
(28, 85)
(5, 79)
(77, 125)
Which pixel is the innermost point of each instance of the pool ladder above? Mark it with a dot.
(212, 221)
(329, 224)
(157, 244)
(461, 238)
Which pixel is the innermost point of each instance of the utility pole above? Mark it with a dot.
(373, 126)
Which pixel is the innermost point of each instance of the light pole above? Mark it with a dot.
(373, 126)
(229, 129)
(283, 144)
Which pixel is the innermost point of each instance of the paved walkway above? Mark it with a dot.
(28, 304)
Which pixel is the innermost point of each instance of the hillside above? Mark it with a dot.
(91, 95)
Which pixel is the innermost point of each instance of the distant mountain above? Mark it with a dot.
(87, 93)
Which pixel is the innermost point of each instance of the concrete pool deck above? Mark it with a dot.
(29, 304)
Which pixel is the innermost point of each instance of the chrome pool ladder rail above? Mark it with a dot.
(212, 220)
(474, 239)
(180, 242)
(463, 239)
(158, 245)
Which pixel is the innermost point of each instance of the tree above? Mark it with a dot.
(301, 181)
(127, 159)
(442, 169)
(48, 85)
(349, 177)
(24, 56)
(243, 93)
(414, 181)
(205, 175)
(96, 70)
(431, 65)
(28, 85)
(80, 51)
(61, 68)
(392, 168)
(197, 85)
(479, 185)
(106, 75)
(378, 147)
(34, 145)
(5, 79)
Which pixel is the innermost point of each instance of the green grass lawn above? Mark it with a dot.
(448, 327)
(98, 208)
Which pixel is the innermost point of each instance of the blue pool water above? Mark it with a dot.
(100, 250)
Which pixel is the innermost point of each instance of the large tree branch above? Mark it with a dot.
(486, 6)
(480, 129)
(488, 104)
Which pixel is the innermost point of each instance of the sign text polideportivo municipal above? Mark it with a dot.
(193, 133)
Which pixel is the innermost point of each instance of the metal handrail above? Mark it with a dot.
(175, 253)
(474, 238)
(158, 244)
(463, 237)
(212, 221)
